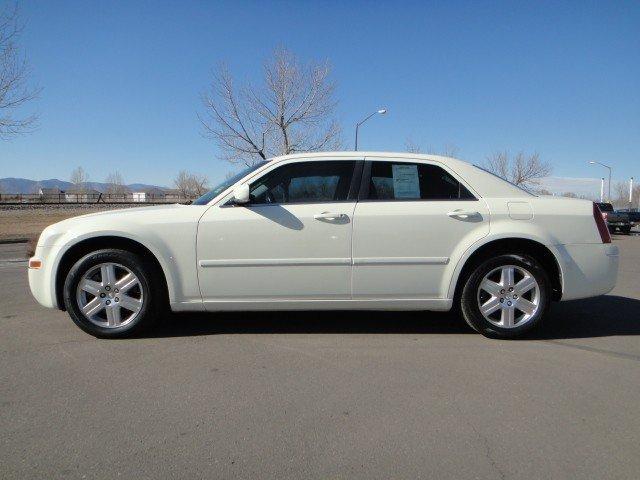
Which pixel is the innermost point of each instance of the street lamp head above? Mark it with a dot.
(592, 162)
(381, 111)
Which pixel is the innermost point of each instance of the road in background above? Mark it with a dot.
(322, 395)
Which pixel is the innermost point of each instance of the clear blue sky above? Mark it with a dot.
(121, 80)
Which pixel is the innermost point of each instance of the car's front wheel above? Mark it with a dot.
(505, 296)
(110, 293)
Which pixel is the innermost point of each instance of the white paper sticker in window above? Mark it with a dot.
(406, 183)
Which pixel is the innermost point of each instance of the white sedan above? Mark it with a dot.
(343, 231)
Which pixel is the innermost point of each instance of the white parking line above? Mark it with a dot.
(12, 262)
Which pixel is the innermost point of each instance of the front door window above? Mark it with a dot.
(304, 182)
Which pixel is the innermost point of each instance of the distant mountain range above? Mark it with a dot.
(23, 185)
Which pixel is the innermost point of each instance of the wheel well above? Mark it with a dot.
(80, 249)
(521, 246)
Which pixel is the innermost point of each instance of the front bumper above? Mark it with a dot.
(588, 270)
(42, 280)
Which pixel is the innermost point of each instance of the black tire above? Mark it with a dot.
(469, 297)
(149, 290)
(626, 230)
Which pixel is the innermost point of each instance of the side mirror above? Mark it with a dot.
(241, 194)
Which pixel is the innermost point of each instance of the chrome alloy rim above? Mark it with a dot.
(509, 296)
(109, 295)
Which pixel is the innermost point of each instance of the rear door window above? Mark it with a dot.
(414, 181)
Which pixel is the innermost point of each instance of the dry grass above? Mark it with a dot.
(29, 223)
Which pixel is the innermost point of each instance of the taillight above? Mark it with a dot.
(600, 223)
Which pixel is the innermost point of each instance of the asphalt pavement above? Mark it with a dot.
(322, 395)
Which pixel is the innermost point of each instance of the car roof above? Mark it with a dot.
(352, 155)
(481, 181)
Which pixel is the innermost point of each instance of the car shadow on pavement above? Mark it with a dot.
(595, 317)
(603, 316)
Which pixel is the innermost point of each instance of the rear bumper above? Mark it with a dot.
(588, 270)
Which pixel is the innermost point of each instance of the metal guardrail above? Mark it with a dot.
(88, 198)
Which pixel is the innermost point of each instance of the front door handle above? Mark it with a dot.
(462, 213)
(329, 216)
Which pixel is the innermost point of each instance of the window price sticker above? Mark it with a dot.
(406, 183)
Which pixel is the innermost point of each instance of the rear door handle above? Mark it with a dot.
(329, 216)
(462, 213)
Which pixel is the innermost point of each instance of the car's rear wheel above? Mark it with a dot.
(505, 296)
(110, 293)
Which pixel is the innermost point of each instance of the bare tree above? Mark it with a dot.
(449, 149)
(523, 170)
(79, 178)
(182, 183)
(292, 111)
(15, 90)
(581, 196)
(620, 195)
(191, 185)
(200, 185)
(115, 184)
(570, 195)
(411, 147)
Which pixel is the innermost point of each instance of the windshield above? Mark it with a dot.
(218, 189)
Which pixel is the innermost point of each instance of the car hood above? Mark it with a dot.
(128, 212)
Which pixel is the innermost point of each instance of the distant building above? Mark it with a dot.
(87, 195)
(173, 195)
(149, 195)
(49, 195)
(138, 196)
(122, 194)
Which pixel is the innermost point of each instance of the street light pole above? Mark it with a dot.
(382, 111)
(609, 168)
(602, 190)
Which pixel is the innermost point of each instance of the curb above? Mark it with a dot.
(14, 240)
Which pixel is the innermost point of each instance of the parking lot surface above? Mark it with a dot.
(322, 395)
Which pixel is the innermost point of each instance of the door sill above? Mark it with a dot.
(433, 304)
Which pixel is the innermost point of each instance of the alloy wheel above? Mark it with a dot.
(509, 296)
(109, 295)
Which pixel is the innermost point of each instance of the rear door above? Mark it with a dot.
(412, 218)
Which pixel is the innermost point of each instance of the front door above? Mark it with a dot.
(291, 242)
(412, 220)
